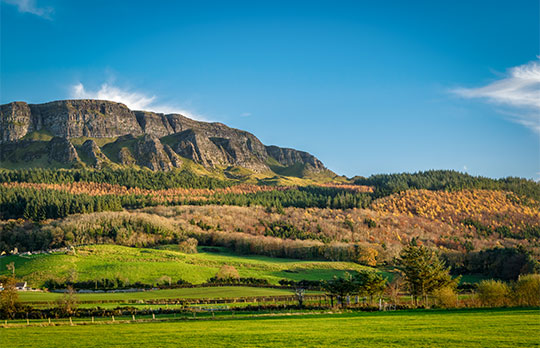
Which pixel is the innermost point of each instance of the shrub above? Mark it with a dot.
(527, 290)
(445, 297)
(493, 293)
(227, 272)
(189, 246)
(370, 223)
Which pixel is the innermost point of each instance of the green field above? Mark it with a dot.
(463, 328)
(149, 265)
(187, 293)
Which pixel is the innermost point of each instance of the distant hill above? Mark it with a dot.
(100, 134)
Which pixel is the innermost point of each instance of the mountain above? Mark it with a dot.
(99, 133)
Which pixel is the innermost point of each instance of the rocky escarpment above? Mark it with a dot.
(154, 140)
(289, 157)
(68, 119)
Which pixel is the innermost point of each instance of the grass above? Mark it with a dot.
(148, 265)
(473, 278)
(463, 328)
(187, 293)
(41, 135)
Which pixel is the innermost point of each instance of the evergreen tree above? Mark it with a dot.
(423, 271)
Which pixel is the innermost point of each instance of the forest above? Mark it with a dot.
(448, 180)
(365, 221)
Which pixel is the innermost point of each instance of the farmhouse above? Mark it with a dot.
(21, 286)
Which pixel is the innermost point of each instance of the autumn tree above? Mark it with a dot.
(188, 246)
(423, 271)
(493, 293)
(9, 297)
(527, 290)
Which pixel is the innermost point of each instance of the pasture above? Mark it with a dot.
(150, 265)
(186, 293)
(420, 328)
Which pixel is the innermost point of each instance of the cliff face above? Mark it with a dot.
(289, 157)
(158, 141)
(15, 121)
(68, 119)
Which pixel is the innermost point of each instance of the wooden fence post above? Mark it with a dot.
(133, 317)
(92, 319)
(49, 320)
(113, 318)
(153, 316)
(70, 321)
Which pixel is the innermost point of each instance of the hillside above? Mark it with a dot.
(152, 266)
(103, 134)
(477, 224)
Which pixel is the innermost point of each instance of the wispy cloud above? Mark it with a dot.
(132, 99)
(245, 114)
(30, 6)
(519, 90)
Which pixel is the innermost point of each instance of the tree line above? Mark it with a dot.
(501, 263)
(145, 179)
(40, 204)
(37, 205)
(450, 180)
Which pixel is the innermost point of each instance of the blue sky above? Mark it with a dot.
(366, 86)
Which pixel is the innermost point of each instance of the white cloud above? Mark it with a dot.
(519, 90)
(132, 99)
(245, 114)
(30, 6)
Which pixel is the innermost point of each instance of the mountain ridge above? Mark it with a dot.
(48, 133)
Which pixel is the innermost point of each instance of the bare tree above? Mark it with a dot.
(299, 292)
(394, 288)
(11, 266)
(69, 302)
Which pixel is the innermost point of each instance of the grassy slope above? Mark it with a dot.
(148, 265)
(470, 328)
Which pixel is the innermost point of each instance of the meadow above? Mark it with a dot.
(151, 265)
(420, 328)
(184, 293)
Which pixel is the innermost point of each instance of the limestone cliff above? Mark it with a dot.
(154, 140)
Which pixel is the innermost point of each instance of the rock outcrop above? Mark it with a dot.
(62, 150)
(149, 152)
(94, 154)
(15, 121)
(125, 157)
(149, 139)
